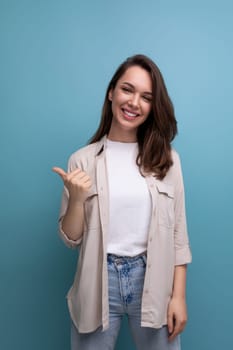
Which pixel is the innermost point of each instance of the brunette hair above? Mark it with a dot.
(154, 136)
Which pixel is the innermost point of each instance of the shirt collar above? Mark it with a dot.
(100, 145)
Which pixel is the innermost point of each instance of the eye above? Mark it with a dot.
(126, 89)
(147, 98)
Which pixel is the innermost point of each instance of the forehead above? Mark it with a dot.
(138, 77)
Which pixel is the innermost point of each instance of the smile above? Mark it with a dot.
(129, 115)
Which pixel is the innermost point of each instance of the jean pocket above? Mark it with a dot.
(144, 260)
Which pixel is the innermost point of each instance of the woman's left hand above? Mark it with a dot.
(176, 316)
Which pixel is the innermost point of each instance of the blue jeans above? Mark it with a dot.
(126, 279)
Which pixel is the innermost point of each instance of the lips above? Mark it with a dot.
(129, 114)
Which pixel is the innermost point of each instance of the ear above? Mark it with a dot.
(110, 95)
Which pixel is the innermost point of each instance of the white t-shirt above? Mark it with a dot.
(129, 201)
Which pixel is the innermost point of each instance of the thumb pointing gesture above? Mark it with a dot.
(60, 172)
(77, 182)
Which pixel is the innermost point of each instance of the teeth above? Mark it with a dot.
(130, 114)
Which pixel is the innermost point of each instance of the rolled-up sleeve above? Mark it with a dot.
(182, 247)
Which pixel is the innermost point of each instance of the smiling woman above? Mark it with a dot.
(157, 131)
(123, 207)
(131, 104)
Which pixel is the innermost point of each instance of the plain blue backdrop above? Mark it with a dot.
(56, 60)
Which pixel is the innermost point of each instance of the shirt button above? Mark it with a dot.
(151, 239)
(146, 291)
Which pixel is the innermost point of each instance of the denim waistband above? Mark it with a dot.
(112, 258)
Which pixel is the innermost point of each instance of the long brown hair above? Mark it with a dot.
(154, 136)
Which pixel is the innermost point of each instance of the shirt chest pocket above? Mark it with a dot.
(165, 205)
(91, 210)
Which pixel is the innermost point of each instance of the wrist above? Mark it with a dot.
(178, 296)
(76, 202)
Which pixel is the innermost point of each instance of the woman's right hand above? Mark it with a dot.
(77, 182)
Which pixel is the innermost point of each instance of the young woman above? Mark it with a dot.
(123, 206)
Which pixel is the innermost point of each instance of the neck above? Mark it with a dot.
(122, 135)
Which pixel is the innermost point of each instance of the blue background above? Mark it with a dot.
(56, 60)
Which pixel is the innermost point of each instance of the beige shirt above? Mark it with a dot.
(167, 246)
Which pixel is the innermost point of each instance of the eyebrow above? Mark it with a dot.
(133, 87)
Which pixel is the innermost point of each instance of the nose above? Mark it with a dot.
(134, 101)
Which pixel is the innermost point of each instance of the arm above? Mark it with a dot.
(77, 183)
(72, 221)
(177, 311)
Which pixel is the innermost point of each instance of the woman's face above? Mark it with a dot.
(131, 103)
